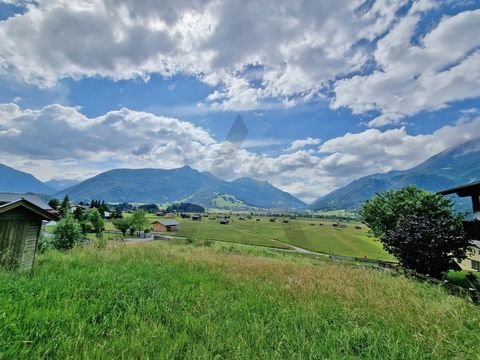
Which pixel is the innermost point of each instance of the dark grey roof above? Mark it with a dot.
(463, 190)
(166, 222)
(11, 197)
(44, 214)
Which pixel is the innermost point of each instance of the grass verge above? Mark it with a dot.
(161, 300)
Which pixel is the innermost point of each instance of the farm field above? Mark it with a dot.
(168, 300)
(299, 232)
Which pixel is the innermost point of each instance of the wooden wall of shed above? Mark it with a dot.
(19, 232)
(159, 227)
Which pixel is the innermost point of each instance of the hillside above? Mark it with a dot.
(455, 166)
(58, 185)
(183, 184)
(176, 301)
(12, 180)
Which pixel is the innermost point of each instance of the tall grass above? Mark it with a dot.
(160, 300)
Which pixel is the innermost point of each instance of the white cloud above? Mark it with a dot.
(444, 67)
(256, 53)
(295, 47)
(60, 142)
(299, 144)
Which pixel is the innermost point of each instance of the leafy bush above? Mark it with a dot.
(383, 212)
(100, 241)
(45, 242)
(96, 220)
(122, 225)
(427, 245)
(67, 233)
(417, 227)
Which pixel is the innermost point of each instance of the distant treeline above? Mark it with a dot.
(186, 207)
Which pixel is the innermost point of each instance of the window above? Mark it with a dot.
(475, 265)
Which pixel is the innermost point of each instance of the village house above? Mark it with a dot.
(21, 218)
(165, 225)
(472, 228)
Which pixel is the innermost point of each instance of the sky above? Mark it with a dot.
(326, 91)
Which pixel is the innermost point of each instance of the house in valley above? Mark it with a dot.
(21, 218)
(165, 225)
(472, 262)
(472, 228)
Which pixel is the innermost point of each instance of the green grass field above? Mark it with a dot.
(327, 239)
(166, 301)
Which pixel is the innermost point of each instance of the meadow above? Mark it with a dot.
(302, 232)
(170, 300)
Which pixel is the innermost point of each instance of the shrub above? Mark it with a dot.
(100, 241)
(96, 220)
(67, 233)
(122, 225)
(418, 227)
(383, 212)
(427, 245)
(45, 242)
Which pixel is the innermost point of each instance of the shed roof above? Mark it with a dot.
(11, 197)
(166, 222)
(44, 214)
(463, 190)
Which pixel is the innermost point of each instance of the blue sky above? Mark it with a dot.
(328, 91)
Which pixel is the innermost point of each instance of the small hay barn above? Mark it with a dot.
(20, 223)
(165, 225)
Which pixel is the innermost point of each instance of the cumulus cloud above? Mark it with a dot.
(256, 53)
(249, 52)
(61, 142)
(442, 68)
(299, 144)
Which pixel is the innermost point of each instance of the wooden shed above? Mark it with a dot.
(20, 224)
(165, 225)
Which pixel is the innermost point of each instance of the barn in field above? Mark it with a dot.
(165, 225)
(21, 218)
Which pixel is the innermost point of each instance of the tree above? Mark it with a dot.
(151, 208)
(67, 233)
(78, 214)
(383, 212)
(122, 225)
(65, 207)
(427, 245)
(118, 213)
(432, 247)
(54, 203)
(186, 207)
(86, 227)
(96, 220)
(138, 220)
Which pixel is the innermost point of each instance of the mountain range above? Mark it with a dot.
(182, 184)
(455, 166)
(15, 181)
(61, 184)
